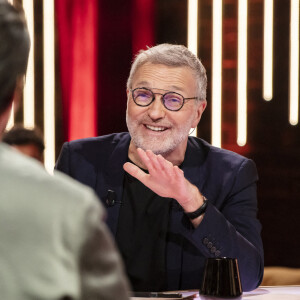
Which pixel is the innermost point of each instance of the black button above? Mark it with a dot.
(205, 241)
(209, 245)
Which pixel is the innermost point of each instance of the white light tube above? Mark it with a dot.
(193, 33)
(268, 51)
(242, 73)
(217, 74)
(28, 105)
(193, 26)
(49, 85)
(294, 64)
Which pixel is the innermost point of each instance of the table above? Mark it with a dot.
(261, 293)
(270, 293)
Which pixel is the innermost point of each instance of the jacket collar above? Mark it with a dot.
(114, 175)
(194, 159)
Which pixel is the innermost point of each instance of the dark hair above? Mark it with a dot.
(14, 50)
(19, 135)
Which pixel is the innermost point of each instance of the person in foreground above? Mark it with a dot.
(54, 242)
(180, 200)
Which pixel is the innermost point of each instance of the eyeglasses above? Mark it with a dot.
(171, 100)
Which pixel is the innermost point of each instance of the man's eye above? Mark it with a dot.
(143, 95)
(175, 100)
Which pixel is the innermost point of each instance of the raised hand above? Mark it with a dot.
(166, 180)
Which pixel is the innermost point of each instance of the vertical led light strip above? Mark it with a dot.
(193, 33)
(193, 26)
(49, 85)
(217, 73)
(28, 105)
(294, 64)
(268, 51)
(242, 73)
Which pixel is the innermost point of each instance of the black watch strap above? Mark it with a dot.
(197, 213)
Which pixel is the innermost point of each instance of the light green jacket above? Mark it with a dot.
(53, 241)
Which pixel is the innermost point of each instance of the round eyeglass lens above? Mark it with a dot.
(173, 101)
(142, 96)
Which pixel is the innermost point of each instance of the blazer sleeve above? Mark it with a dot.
(74, 160)
(230, 227)
(101, 268)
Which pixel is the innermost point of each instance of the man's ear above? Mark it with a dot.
(200, 109)
(128, 94)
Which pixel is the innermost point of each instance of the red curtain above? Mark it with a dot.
(143, 24)
(97, 41)
(77, 37)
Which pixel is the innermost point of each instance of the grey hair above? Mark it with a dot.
(173, 56)
(14, 50)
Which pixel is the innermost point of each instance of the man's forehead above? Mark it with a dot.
(145, 83)
(172, 77)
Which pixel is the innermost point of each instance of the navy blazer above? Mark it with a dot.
(228, 180)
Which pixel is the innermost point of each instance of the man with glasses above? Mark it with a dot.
(180, 200)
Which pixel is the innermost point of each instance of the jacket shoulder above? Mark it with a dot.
(29, 175)
(106, 141)
(217, 155)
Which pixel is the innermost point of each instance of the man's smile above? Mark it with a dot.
(156, 128)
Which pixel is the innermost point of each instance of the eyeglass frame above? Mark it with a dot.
(162, 98)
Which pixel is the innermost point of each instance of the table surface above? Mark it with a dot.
(261, 293)
(270, 293)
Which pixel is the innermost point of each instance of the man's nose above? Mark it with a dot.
(156, 109)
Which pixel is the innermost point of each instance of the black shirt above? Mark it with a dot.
(142, 234)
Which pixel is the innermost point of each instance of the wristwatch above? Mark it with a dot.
(197, 213)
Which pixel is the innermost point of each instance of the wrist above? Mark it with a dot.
(196, 199)
(199, 211)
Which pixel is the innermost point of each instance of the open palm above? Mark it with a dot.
(163, 179)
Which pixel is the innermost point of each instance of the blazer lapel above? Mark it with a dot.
(193, 165)
(112, 178)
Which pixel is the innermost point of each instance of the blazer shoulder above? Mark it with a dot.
(98, 145)
(113, 138)
(218, 155)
